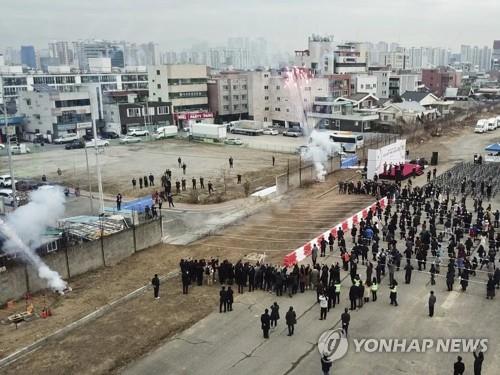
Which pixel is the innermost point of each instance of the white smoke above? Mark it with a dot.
(23, 230)
(319, 149)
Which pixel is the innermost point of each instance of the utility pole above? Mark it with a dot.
(98, 169)
(89, 182)
(11, 170)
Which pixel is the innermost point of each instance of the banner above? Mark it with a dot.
(305, 250)
(395, 153)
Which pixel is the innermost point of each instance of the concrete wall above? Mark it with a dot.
(306, 175)
(20, 278)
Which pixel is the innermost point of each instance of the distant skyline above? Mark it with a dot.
(286, 24)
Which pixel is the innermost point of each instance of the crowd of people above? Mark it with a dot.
(423, 229)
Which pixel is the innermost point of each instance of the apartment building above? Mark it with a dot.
(185, 86)
(283, 97)
(438, 80)
(228, 96)
(54, 113)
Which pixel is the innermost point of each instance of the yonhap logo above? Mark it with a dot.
(333, 344)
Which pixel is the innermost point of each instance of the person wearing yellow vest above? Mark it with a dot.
(337, 291)
(374, 289)
(394, 293)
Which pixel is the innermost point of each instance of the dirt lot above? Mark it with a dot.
(138, 325)
(120, 163)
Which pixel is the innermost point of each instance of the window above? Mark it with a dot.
(243, 97)
(158, 72)
(244, 106)
(226, 108)
(236, 107)
(266, 87)
(363, 86)
(235, 87)
(133, 112)
(266, 97)
(278, 99)
(266, 109)
(28, 101)
(307, 89)
(163, 110)
(225, 97)
(236, 97)
(277, 87)
(51, 246)
(277, 109)
(225, 87)
(288, 110)
(337, 123)
(266, 75)
(158, 85)
(244, 87)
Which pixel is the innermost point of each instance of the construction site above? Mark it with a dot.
(108, 313)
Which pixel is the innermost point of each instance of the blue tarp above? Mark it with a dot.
(138, 204)
(495, 147)
(349, 162)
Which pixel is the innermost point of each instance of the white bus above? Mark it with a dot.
(348, 142)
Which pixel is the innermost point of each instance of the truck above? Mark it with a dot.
(164, 132)
(492, 123)
(481, 126)
(246, 127)
(214, 132)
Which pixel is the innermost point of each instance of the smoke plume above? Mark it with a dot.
(24, 228)
(318, 150)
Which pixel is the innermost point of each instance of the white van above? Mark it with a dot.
(481, 126)
(165, 132)
(492, 123)
(7, 196)
(498, 121)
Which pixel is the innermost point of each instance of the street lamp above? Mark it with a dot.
(11, 170)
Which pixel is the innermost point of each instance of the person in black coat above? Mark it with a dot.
(229, 298)
(156, 286)
(353, 294)
(222, 299)
(265, 321)
(326, 364)
(186, 280)
(291, 320)
(478, 362)
(275, 314)
(458, 367)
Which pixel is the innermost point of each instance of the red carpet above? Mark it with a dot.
(407, 172)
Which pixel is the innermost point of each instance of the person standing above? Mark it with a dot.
(210, 188)
(291, 320)
(323, 304)
(184, 168)
(353, 293)
(432, 302)
(274, 159)
(222, 299)
(345, 318)
(275, 314)
(202, 183)
(229, 298)
(183, 184)
(156, 286)
(458, 367)
(265, 321)
(326, 364)
(314, 254)
(134, 183)
(170, 200)
(118, 202)
(394, 293)
(186, 279)
(193, 180)
(179, 161)
(408, 269)
(231, 162)
(374, 289)
(478, 362)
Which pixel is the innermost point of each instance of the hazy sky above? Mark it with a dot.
(175, 24)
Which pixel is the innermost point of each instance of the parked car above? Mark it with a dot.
(292, 132)
(75, 144)
(8, 198)
(28, 185)
(66, 138)
(2, 146)
(5, 180)
(128, 139)
(109, 135)
(233, 141)
(138, 132)
(100, 143)
(20, 149)
(270, 131)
